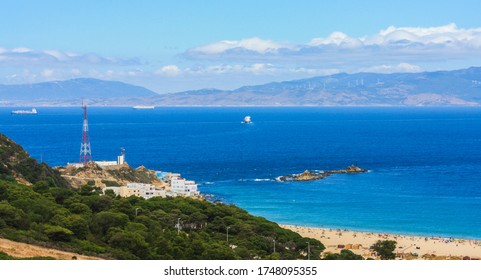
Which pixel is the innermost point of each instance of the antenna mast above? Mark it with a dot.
(85, 151)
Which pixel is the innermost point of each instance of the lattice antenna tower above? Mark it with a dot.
(85, 151)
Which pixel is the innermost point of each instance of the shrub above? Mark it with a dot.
(385, 249)
(5, 256)
(102, 221)
(58, 233)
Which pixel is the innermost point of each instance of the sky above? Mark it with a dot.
(170, 46)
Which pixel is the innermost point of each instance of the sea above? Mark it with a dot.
(424, 162)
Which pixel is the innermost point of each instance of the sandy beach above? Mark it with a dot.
(408, 247)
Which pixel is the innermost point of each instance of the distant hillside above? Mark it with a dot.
(70, 92)
(442, 88)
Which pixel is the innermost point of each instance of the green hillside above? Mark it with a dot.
(17, 165)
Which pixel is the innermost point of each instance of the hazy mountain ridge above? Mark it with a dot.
(71, 91)
(459, 87)
(441, 88)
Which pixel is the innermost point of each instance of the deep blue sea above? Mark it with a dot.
(425, 163)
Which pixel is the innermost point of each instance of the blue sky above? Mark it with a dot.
(179, 45)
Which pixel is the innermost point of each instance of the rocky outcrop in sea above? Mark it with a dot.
(318, 175)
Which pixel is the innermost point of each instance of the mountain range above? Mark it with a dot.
(70, 92)
(440, 88)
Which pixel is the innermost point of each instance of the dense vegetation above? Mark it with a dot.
(15, 163)
(108, 226)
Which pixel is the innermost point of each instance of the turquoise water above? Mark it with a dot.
(425, 163)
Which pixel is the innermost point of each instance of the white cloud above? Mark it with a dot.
(338, 39)
(76, 72)
(257, 69)
(250, 44)
(390, 46)
(400, 68)
(27, 57)
(21, 50)
(314, 71)
(132, 73)
(110, 73)
(47, 73)
(58, 55)
(449, 37)
(256, 60)
(168, 70)
(23, 76)
(260, 68)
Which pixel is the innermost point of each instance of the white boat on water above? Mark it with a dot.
(247, 120)
(140, 107)
(25, 112)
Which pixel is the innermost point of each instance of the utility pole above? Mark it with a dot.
(274, 245)
(136, 211)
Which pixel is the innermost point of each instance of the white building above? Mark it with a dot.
(183, 187)
(105, 163)
(120, 160)
(138, 189)
(169, 176)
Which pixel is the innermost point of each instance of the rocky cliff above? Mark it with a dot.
(118, 175)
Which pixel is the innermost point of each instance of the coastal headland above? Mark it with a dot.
(318, 175)
(408, 247)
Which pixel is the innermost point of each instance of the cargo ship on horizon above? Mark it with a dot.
(141, 107)
(25, 112)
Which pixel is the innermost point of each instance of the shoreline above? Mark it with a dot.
(408, 246)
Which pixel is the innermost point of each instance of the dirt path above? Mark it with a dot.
(23, 250)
